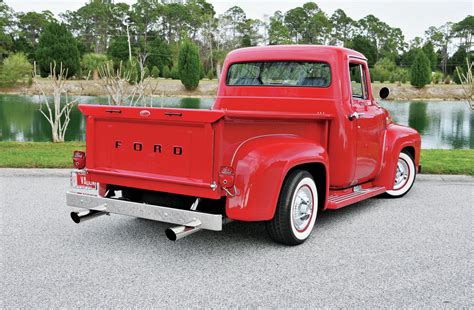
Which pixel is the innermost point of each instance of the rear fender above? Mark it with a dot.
(397, 138)
(261, 165)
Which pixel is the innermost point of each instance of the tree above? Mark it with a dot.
(420, 70)
(32, 24)
(159, 54)
(176, 19)
(92, 22)
(295, 21)
(189, 65)
(15, 67)
(467, 82)
(457, 62)
(249, 30)
(118, 49)
(343, 26)
(387, 40)
(57, 45)
(144, 16)
(278, 33)
(318, 29)
(428, 49)
(91, 63)
(441, 38)
(6, 25)
(366, 47)
(464, 30)
(57, 114)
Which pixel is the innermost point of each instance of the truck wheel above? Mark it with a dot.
(404, 176)
(296, 210)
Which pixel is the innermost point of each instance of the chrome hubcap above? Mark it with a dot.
(402, 172)
(302, 208)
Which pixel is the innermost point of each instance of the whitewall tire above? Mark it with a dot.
(404, 176)
(296, 210)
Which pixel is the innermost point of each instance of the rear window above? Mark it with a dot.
(279, 73)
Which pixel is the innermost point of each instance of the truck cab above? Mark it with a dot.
(294, 130)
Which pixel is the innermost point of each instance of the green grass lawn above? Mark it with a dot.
(38, 154)
(447, 161)
(59, 155)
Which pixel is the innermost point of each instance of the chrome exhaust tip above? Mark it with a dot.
(81, 216)
(179, 232)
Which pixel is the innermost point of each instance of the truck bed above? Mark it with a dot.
(180, 151)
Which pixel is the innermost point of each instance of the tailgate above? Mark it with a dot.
(168, 150)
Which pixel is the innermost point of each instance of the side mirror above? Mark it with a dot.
(384, 92)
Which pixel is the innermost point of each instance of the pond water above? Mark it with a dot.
(442, 124)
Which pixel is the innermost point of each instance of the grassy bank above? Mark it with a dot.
(49, 155)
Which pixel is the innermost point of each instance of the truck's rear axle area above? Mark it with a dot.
(189, 221)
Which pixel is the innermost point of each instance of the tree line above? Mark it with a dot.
(152, 32)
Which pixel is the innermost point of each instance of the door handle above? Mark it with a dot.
(355, 115)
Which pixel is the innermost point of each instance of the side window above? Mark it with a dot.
(358, 81)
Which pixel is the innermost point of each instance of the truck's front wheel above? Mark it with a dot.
(296, 210)
(404, 176)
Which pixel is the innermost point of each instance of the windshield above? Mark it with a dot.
(279, 73)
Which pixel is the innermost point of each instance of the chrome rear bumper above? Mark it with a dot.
(142, 210)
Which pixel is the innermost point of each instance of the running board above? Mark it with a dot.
(339, 201)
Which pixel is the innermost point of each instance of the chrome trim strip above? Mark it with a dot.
(146, 211)
(338, 199)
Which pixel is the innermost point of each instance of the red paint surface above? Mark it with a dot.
(262, 132)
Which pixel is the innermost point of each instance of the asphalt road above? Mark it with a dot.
(411, 252)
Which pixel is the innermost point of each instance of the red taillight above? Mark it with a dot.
(226, 177)
(79, 159)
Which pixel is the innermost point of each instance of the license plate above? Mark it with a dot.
(79, 180)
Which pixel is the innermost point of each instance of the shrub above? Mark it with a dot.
(210, 74)
(437, 77)
(189, 65)
(384, 70)
(57, 44)
(91, 63)
(174, 74)
(393, 77)
(14, 68)
(447, 79)
(146, 72)
(155, 72)
(420, 70)
(404, 75)
(166, 72)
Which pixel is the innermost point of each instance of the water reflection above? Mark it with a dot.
(442, 124)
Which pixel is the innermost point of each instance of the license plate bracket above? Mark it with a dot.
(79, 181)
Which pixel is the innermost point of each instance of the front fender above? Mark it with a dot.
(261, 165)
(397, 138)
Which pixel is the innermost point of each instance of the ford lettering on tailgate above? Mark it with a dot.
(174, 149)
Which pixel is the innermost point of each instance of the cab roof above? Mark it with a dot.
(291, 52)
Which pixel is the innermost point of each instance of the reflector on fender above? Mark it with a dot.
(79, 159)
(226, 177)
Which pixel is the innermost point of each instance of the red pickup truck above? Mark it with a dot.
(294, 130)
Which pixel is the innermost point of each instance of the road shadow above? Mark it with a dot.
(251, 234)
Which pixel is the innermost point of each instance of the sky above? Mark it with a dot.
(413, 17)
